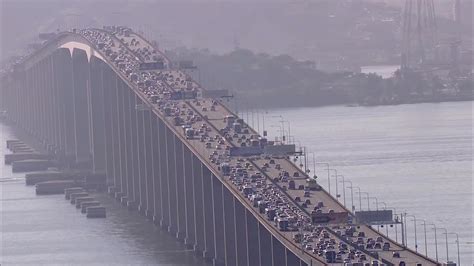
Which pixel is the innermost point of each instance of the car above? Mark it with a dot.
(396, 254)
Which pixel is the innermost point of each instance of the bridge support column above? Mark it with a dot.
(148, 148)
(80, 67)
(229, 223)
(97, 115)
(199, 230)
(190, 239)
(142, 196)
(180, 190)
(165, 212)
(265, 240)
(123, 94)
(134, 181)
(278, 252)
(242, 249)
(218, 222)
(209, 251)
(171, 165)
(108, 80)
(129, 99)
(157, 202)
(252, 239)
(116, 159)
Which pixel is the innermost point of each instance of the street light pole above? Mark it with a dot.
(376, 203)
(447, 245)
(426, 242)
(343, 189)
(416, 240)
(360, 197)
(436, 241)
(329, 181)
(352, 196)
(337, 187)
(457, 244)
(368, 199)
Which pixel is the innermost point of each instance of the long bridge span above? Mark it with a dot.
(107, 100)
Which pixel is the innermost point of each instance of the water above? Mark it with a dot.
(46, 230)
(416, 158)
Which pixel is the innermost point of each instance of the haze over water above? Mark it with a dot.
(414, 157)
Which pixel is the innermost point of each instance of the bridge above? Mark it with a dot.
(108, 101)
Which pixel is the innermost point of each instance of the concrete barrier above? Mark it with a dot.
(31, 165)
(13, 157)
(80, 200)
(69, 191)
(11, 142)
(96, 212)
(86, 204)
(53, 187)
(73, 196)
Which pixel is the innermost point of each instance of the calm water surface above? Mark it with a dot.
(47, 230)
(415, 158)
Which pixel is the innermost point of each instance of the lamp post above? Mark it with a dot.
(376, 203)
(337, 187)
(426, 242)
(352, 195)
(436, 241)
(386, 225)
(289, 126)
(368, 199)
(457, 244)
(360, 197)
(414, 222)
(329, 180)
(343, 189)
(447, 246)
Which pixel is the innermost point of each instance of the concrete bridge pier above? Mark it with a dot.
(129, 144)
(171, 174)
(165, 211)
(218, 221)
(66, 103)
(134, 182)
(116, 147)
(265, 245)
(80, 66)
(108, 79)
(48, 125)
(229, 222)
(190, 238)
(241, 247)
(180, 190)
(199, 230)
(157, 202)
(148, 151)
(122, 107)
(209, 251)
(97, 115)
(278, 252)
(55, 106)
(41, 101)
(142, 196)
(253, 238)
